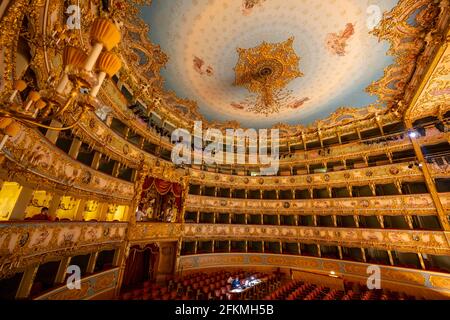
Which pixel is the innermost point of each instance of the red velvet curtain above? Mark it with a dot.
(134, 269)
(140, 266)
(163, 187)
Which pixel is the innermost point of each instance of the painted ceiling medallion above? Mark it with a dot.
(266, 70)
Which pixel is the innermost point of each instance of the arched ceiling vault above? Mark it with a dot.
(187, 55)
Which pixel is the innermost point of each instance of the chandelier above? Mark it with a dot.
(75, 93)
(265, 71)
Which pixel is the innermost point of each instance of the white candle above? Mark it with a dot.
(92, 59)
(62, 84)
(96, 89)
(2, 143)
(28, 105)
(13, 95)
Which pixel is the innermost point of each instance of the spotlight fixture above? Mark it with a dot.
(413, 134)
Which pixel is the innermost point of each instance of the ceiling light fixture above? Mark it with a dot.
(76, 91)
(266, 70)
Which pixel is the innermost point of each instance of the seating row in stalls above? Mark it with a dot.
(203, 286)
(299, 290)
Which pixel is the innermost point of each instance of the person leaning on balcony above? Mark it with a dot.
(42, 216)
(140, 214)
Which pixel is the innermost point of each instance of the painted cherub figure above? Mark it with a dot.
(337, 42)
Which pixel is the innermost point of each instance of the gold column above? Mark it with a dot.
(340, 253)
(296, 220)
(356, 218)
(212, 247)
(380, 220)
(62, 270)
(118, 254)
(25, 196)
(27, 282)
(263, 246)
(52, 135)
(91, 263)
(373, 188)
(141, 142)
(195, 247)
(350, 190)
(178, 254)
(409, 221)
(80, 210)
(334, 220)
(363, 253)
(422, 263)
(75, 148)
(126, 132)
(359, 133)
(315, 220)
(120, 260)
(96, 160)
(319, 252)
(116, 169)
(54, 205)
(391, 259)
(103, 211)
(429, 182)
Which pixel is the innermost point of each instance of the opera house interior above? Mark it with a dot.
(224, 150)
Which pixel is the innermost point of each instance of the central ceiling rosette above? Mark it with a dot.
(266, 70)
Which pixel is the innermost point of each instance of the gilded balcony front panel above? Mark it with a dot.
(25, 243)
(417, 204)
(433, 242)
(92, 286)
(31, 152)
(380, 174)
(433, 285)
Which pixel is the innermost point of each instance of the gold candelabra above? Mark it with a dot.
(80, 71)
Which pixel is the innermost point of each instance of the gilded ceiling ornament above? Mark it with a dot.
(266, 70)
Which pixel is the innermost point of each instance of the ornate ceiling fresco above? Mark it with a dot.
(339, 57)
